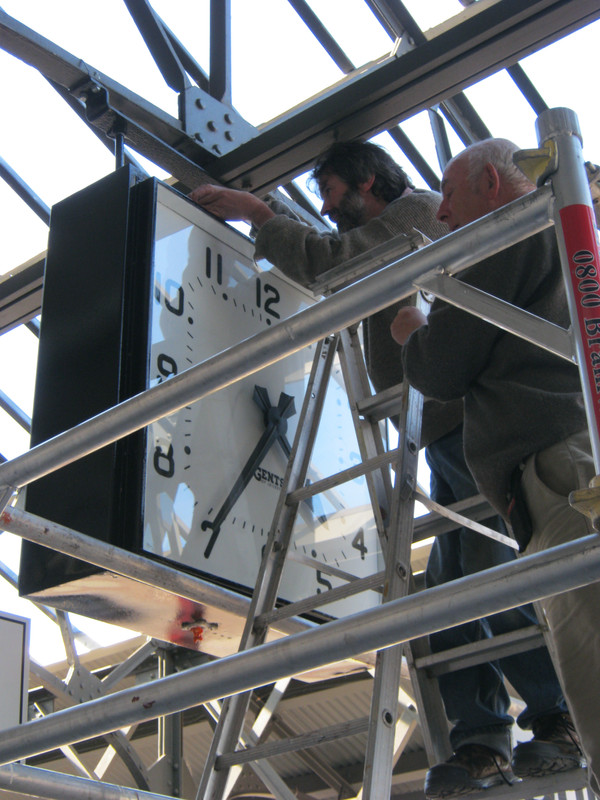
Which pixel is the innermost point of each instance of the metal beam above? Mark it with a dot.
(361, 105)
(364, 104)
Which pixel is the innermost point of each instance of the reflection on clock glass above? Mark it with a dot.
(215, 469)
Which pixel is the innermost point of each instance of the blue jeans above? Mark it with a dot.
(475, 698)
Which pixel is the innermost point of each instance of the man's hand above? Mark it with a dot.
(407, 320)
(230, 204)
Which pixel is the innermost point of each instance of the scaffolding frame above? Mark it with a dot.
(556, 570)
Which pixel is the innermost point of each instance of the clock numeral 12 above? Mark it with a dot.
(272, 297)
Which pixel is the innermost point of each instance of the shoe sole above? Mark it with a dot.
(458, 790)
(537, 769)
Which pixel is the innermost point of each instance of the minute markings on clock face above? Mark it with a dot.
(208, 296)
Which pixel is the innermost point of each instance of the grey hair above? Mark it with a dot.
(499, 153)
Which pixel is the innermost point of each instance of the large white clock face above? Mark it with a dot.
(209, 295)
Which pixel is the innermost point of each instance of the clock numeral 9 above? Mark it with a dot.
(164, 463)
(359, 543)
(272, 297)
(171, 294)
(166, 366)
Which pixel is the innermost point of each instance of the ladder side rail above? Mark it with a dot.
(231, 720)
(368, 434)
(384, 705)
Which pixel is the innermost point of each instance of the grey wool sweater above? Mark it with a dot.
(519, 399)
(302, 253)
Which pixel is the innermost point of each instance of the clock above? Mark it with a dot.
(140, 285)
(215, 469)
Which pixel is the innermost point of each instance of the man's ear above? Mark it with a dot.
(490, 182)
(366, 185)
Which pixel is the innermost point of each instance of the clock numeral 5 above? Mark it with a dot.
(323, 581)
(164, 463)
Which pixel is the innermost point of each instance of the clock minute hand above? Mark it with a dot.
(276, 423)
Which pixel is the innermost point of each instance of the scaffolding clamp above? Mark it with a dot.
(587, 501)
(538, 163)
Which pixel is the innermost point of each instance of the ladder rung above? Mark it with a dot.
(301, 742)
(344, 476)
(482, 651)
(382, 405)
(372, 582)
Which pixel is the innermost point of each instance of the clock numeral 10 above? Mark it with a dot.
(171, 294)
(271, 297)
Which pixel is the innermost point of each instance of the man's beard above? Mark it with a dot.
(350, 212)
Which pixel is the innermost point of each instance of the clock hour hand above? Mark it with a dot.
(276, 424)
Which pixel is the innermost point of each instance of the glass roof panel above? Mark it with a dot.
(565, 73)
(357, 30)
(434, 12)
(511, 117)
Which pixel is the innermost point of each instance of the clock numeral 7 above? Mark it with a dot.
(172, 294)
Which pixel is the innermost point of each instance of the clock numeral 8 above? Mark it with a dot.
(164, 463)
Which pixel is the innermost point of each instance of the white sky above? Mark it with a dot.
(277, 64)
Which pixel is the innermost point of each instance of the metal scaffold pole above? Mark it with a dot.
(530, 578)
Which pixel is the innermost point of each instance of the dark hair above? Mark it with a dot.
(355, 162)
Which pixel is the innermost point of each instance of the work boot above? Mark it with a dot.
(554, 748)
(471, 768)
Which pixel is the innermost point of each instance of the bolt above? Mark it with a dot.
(217, 149)
(412, 447)
(401, 570)
(211, 126)
(387, 717)
(198, 138)
(199, 104)
(229, 136)
(228, 120)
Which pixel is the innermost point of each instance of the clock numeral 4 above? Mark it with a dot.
(358, 543)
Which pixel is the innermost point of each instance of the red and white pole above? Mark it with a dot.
(577, 235)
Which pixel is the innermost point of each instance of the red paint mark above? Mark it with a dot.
(135, 699)
(149, 705)
(197, 634)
